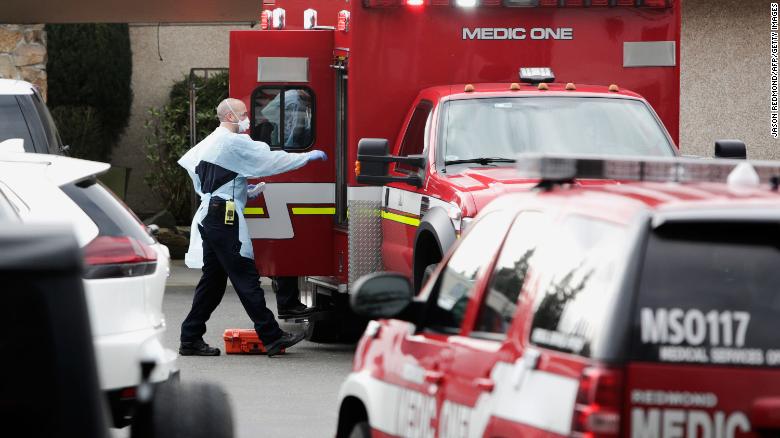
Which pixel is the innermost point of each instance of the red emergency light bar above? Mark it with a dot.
(562, 168)
(519, 3)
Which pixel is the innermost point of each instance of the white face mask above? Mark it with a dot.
(243, 125)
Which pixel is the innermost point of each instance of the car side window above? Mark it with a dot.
(455, 285)
(12, 122)
(578, 269)
(506, 282)
(415, 136)
(283, 117)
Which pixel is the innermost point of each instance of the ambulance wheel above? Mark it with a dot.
(191, 410)
(324, 330)
(361, 430)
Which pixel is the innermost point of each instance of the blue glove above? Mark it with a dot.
(317, 155)
(254, 190)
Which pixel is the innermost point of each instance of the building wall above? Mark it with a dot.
(725, 76)
(724, 63)
(23, 53)
(181, 48)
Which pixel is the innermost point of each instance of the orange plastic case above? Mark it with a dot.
(243, 341)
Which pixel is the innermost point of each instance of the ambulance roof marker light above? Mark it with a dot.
(343, 21)
(468, 88)
(614, 88)
(278, 19)
(543, 86)
(309, 19)
(571, 87)
(536, 75)
(515, 86)
(266, 18)
(466, 3)
(415, 2)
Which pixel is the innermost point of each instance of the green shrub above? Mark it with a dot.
(169, 139)
(89, 70)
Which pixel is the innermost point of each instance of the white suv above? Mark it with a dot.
(125, 268)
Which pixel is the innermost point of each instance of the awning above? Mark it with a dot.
(130, 11)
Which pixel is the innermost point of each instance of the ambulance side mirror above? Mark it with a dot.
(381, 295)
(373, 160)
(734, 149)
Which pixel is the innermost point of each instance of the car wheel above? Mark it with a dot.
(191, 410)
(361, 430)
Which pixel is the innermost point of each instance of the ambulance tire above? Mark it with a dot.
(191, 410)
(344, 327)
(361, 430)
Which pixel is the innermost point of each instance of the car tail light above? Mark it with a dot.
(599, 401)
(115, 257)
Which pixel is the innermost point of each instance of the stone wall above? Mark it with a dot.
(23, 54)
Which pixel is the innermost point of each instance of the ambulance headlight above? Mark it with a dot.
(536, 75)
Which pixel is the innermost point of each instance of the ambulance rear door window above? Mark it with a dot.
(708, 295)
(283, 117)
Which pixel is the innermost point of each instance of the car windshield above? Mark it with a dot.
(503, 127)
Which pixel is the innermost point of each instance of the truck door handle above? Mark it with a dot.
(434, 376)
(484, 384)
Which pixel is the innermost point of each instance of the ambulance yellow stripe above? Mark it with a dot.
(314, 210)
(254, 210)
(402, 219)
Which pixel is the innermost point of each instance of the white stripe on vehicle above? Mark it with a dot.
(278, 224)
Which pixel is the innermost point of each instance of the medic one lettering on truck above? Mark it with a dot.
(443, 103)
(518, 33)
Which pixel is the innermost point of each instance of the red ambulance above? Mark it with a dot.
(646, 308)
(434, 98)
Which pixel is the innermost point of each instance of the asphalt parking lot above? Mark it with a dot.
(293, 395)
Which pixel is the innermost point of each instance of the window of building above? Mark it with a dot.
(500, 303)
(283, 117)
(455, 286)
(415, 140)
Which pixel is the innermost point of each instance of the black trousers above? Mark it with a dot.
(287, 292)
(221, 260)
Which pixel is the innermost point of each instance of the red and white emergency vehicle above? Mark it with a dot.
(644, 308)
(428, 95)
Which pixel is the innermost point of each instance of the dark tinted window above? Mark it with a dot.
(506, 282)
(455, 285)
(110, 215)
(578, 269)
(49, 128)
(292, 128)
(12, 123)
(709, 294)
(414, 138)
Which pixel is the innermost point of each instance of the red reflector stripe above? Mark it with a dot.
(548, 3)
(599, 3)
(574, 3)
(490, 3)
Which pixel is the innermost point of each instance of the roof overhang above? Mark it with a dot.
(136, 11)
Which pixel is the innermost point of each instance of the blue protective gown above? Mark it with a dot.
(248, 159)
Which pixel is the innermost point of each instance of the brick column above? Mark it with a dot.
(23, 54)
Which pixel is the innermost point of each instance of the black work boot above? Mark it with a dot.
(287, 340)
(197, 348)
(298, 310)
